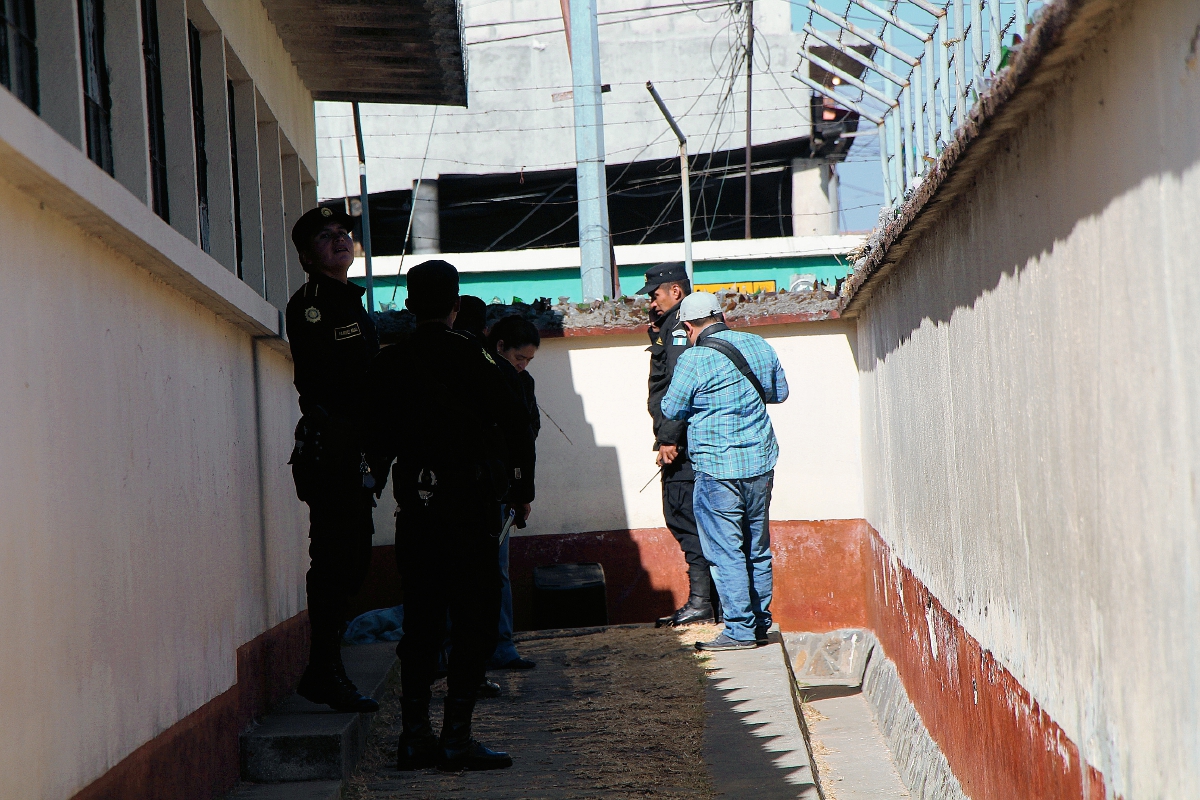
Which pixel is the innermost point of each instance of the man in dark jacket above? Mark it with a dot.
(667, 284)
(463, 446)
(333, 341)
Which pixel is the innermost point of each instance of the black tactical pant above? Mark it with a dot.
(681, 522)
(339, 550)
(448, 556)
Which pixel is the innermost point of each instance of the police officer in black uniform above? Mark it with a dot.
(333, 342)
(667, 284)
(463, 446)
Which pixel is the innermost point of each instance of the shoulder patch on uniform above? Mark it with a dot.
(658, 340)
(312, 314)
(346, 332)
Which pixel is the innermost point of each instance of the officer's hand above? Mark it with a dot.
(522, 514)
(667, 453)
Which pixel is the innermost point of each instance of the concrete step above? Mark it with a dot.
(851, 754)
(308, 790)
(302, 741)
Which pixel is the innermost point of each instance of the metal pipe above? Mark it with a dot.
(1022, 17)
(881, 134)
(977, 45)
(684, 177)
(851, 53)
(904, 98)
(930, 8)
(930, 64)
(886, 16)
(366, 211)
(863, 34)
(947, 90)
(918, 102)
(997, 25)
(897, 167)
(749, 100)
(850, 79)
(843, 102)
(595, 248)
(960, 55)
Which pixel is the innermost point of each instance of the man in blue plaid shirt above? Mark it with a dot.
(733, 449)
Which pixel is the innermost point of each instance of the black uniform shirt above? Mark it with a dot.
(333, 342)
(666, 345)
(440, 401)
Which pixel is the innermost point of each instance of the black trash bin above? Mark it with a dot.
(569, 596)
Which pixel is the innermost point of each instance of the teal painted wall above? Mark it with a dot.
(555, 283)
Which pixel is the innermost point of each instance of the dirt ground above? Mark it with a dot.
(613, 713)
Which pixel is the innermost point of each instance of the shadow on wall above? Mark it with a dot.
(1060, 179)
(580, 511)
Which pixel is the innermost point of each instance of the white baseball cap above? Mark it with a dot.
(698, 305)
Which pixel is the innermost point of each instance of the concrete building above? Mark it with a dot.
(519, 115)
(153, 155)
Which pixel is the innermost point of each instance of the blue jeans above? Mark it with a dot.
(732, 518)
(506, 651)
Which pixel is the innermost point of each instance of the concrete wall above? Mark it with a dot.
(595, 388)
(135, 559)
(1030, 423)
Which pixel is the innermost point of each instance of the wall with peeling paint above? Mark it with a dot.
(1031, 421)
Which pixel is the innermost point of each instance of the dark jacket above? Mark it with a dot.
(666, 345)
(333, 343)
(440, 402)
(535, 413)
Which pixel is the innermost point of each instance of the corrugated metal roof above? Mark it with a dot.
(376, 51)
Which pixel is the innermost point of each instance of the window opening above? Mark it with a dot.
(198, 134)
(237, 188)
(18, 51)
(97, 102)
(151, 63)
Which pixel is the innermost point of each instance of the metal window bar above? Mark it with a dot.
(237, 186)
(18, 51)
(976, 44)
(197, 86)
(97, 101)
(157, 138)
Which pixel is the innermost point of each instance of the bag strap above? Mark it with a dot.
(733, 354)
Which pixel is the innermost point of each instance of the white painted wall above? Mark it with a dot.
(1031, 420)
(595, 388)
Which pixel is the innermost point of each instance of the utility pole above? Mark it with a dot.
(749, 99)
(366, 216)
(684, 177)
(595, 249)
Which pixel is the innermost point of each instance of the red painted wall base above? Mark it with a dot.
(198, 756)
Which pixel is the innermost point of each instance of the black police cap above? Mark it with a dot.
(666, 272)
(311, 223)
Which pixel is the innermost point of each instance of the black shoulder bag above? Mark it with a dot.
(733, 354)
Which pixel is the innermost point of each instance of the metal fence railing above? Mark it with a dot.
(911, 67)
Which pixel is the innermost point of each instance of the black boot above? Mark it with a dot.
(418, 747)
(488, 688)
(325, 681)
(458, 750)
(697, 609)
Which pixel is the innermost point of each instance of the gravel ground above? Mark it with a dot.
(617, 712)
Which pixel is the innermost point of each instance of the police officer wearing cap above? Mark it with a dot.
(463, 446)
(667, 284)
(333, 342)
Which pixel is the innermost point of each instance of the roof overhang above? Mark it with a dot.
(376, 51)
